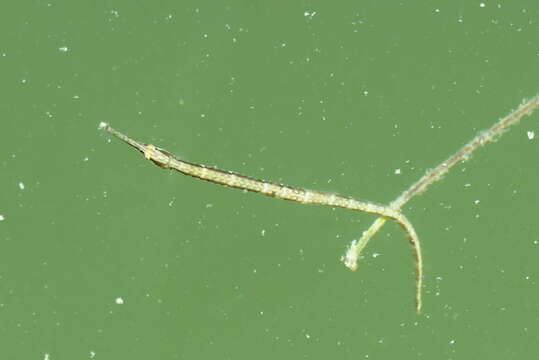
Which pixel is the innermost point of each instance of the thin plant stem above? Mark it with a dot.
(354, 251)
(464, 153)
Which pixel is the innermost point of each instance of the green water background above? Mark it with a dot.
(334, 96)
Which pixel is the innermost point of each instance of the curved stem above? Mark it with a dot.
(431, 176)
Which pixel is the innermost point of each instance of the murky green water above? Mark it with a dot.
(105, 256)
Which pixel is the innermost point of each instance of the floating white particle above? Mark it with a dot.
(365, 92)
(63, 48)
(263, 233)
(119, 301)
(21, 185)
(451, 341)
(476, 202)
(375, 255)
(397, 171)
(2, 218)
(531, 134)
(46, 357)
(102, 125)
(482, 4)
(92, 354)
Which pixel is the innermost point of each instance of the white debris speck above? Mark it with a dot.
(63, 48)
(482, 4)
(467, 185)
(92, 354)
(397, 171)
(476, 202)
(375, 255)
(119, 301)
(209, 206)
(436, 10)
(263, 233)
(2, 218)
(451, 342)
(531, 135)
(309, 14)
(21, 185)
(365, 92)
(46, 357)
(86, 158)
(102, 125)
